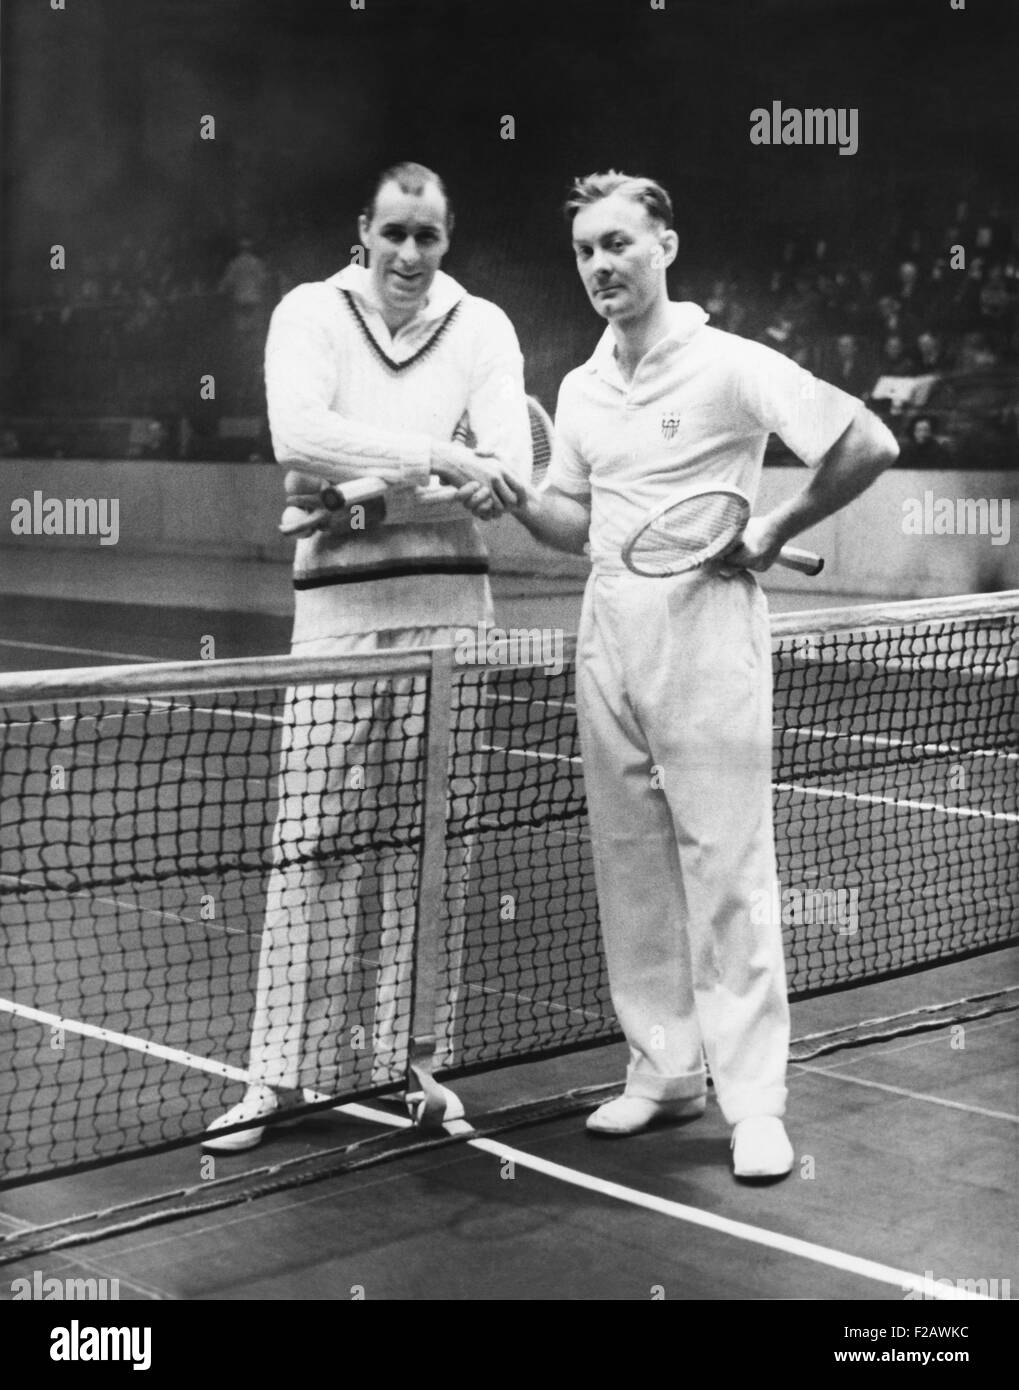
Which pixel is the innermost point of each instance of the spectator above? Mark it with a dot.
(889, 312)
(803, 303)
(859, 310)
(895, 360)
(910, 290)
(940, 296)
(967, 298)
(780, 334)
(997, 303)
(718, 304)
(246, 281)
(850, 368)
(921, 449)
(975, 353)
(931, 353)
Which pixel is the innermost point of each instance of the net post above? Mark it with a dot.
(426, 1098)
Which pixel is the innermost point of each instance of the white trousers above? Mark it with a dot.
(333, 998)
(674, 697)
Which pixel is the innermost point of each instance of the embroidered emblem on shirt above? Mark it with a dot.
(670, 424)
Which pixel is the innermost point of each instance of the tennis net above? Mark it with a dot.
(343, 859)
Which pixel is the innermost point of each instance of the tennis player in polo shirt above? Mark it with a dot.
(674, 675)
(368, 374)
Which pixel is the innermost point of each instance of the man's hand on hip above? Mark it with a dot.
(757, 548)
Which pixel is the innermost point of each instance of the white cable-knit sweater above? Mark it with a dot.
(347, 400)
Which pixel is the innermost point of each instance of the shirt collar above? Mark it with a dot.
(686, 319)
(443, 294)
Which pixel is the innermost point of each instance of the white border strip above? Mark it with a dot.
(185, 1059)
(909, 1095)
(832, 794)
(790, 1245)
(107, 1035)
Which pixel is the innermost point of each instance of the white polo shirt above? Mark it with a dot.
(698, 409)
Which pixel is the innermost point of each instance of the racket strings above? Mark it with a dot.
(693, 530)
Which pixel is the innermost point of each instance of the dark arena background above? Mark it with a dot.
(171, 169)
(794, 245)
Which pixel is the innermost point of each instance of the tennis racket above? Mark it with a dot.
(542, 434)
(324, 510)
(694, 527)
(313, 507)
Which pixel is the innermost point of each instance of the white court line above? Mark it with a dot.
(528, 753)
(147, 703)
(185, 1059)
(878, 740)
(256, 715)
(907, 1094)
(757, 1235)
(81, 651)
(888, 741)
(151, 1049)
(120, 904)
(833, 794)
(532, 700)
(795, 787)
(819, 1254)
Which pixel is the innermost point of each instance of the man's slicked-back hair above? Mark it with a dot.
(409, 178)
(653, 198)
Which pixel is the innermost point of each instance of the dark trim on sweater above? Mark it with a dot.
(369, 336)
(389, 569)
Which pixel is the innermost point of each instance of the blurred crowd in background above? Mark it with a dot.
(928, 334)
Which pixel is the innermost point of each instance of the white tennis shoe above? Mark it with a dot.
(631, 1114)
(761, 1148)
(259, 1102)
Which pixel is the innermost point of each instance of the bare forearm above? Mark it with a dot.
(864, 451)
(555, 520)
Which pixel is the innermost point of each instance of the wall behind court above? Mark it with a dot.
(175, 518)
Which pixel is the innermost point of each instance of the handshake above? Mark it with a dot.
(477, 482)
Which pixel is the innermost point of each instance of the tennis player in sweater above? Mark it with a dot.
(368, 374)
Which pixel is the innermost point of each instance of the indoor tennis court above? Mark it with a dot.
(304, 979)
(902, 1099)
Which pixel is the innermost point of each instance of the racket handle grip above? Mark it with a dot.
(803, 560)
(302, 521)
(360, 490)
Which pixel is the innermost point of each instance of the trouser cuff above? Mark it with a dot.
(744, 1103)
(650, 1087)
